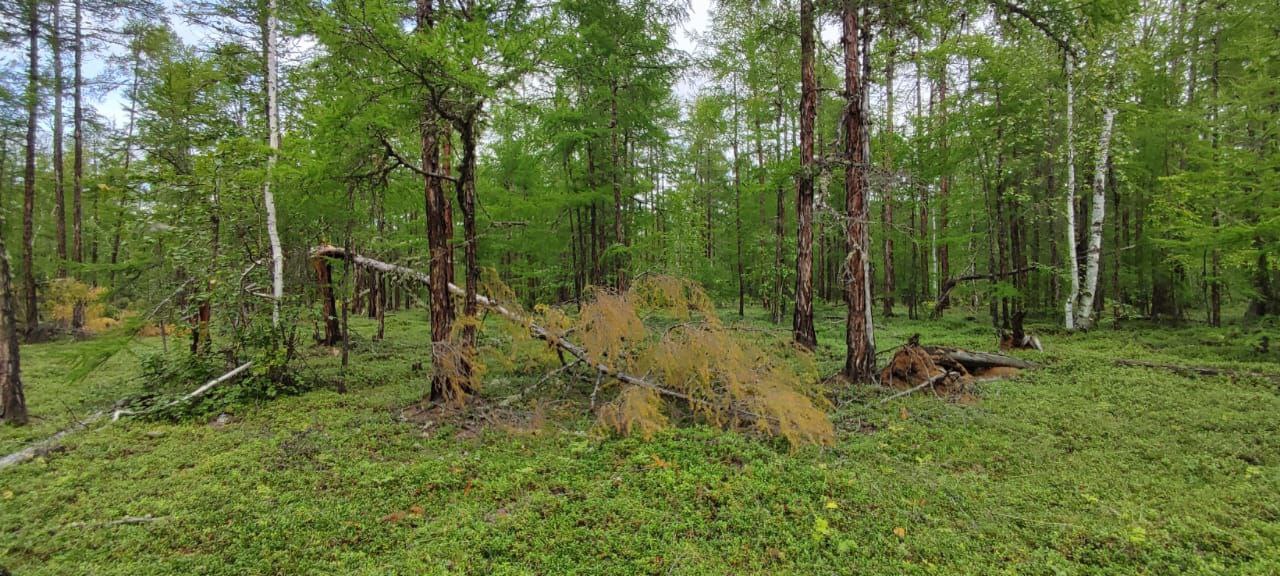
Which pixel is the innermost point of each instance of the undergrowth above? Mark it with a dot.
(1077, 468)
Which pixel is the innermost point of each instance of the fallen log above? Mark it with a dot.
(976, 361)
(536, 331)
(1198, 370)
(193, 394)
(48, 444)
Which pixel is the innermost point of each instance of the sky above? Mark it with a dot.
(112, 106)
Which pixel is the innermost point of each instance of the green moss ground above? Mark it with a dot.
(1076, 468)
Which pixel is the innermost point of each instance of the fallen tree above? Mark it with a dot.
(53, 443)
(578, 352)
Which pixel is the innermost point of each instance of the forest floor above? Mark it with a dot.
(1079, 467)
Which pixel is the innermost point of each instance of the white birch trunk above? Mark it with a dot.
(1084, 312)
(1073, 267)
(273, 141)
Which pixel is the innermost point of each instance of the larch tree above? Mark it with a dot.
(860, 355)
(802, 323)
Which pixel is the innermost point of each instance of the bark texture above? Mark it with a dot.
(859, 338)
(802, 320)
(1085, 317)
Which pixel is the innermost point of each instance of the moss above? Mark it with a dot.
(1079, 467)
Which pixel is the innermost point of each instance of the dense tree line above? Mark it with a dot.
(1073, 162)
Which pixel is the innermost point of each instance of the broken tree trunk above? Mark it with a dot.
(535, 330)
(324, 277)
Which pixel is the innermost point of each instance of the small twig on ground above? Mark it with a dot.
(121, 522)
(921, 386)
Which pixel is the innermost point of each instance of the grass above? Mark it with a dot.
(1080, 467)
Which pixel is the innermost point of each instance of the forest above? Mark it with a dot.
(639, 286)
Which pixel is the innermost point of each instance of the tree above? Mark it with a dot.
(32, 309)
(270, 85)
(802, 325)
(860, 355)
(1084, 311)
(13, 406)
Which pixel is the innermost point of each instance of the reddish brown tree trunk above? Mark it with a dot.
(802, 320)
(859, 339)
(467, 201)
(324, 279)
(439, 220)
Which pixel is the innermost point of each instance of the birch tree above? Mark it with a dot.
(273, 142)
(1073, 266)
(1084, 312)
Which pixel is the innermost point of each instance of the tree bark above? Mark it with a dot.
(77, 173)
(29, 175)
(1073, 266)
(615, 166)
(324, 280)
(13, 405)
(59, 164)
(1085, 318)
(886, 206)
(859, 338)
(273, 142)
(802, 319)
(737, 202)
(467, 202)
(439, 231)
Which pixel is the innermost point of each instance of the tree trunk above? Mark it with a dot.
(467, 202)
(737, 201)
(1073, 266)
(59, 176)
(859, 338)
(273, 142)
(128, 157)
(886, 206)
(1085, 318)
(29, 175)
(444, 386)
(329, 308)
(77, 174)
(943, 260)
(802, 320)
(13, 405)
(615, 167)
